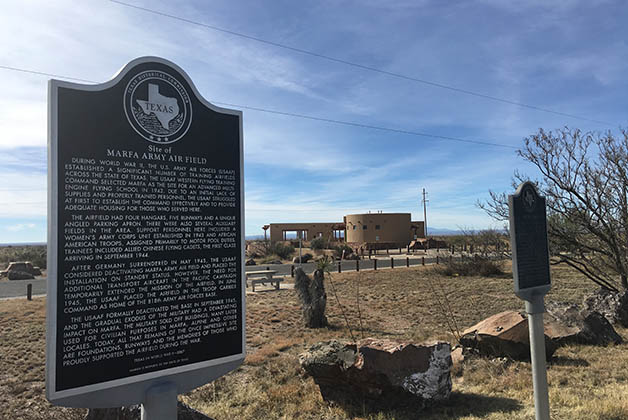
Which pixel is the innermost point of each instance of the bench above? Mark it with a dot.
(263, 277)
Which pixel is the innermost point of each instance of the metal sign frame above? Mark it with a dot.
(528, 293)
(131, 389)
(534, 295)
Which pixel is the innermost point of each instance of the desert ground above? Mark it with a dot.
(586, 382)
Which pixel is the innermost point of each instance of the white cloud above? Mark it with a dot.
(20, 226)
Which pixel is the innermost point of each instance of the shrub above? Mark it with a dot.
(477, 266)
(343, 247)
(271, 259)
(282, 250)
(36, 254)
(317, 244)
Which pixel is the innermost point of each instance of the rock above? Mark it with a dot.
(184, 412)
(250, 261)
(457, 356)
(24, 267)
(257, 249)
(304, 258)
(612, 305)
(565, 324)
(273, 262)
(504, 334)
(19, 275)
(380, 373)
(352, 257)
(311, 293)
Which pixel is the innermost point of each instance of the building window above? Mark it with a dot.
(353, 227)
(377, 227)
(364, 227)
(377, 238)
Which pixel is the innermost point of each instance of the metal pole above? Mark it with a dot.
(160, 403)
(535, 309)
(300, 261)
(424, 214)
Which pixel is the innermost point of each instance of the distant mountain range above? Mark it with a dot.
(442, 231)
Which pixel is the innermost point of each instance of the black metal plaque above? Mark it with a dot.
(145, 236)
(528, 235)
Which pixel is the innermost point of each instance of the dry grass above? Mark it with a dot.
(22, 363)
(585, 382)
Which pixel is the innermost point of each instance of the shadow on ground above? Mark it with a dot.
(567, 361)
(457, 406)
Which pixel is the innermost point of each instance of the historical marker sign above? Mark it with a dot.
(528, 235)
(145, 246)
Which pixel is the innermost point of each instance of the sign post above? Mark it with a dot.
(530, 266)
(146, 295)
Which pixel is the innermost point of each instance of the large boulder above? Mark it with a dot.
(612, 305)
(380, 373)
(19, 275)
(133, 412)
(311, 293)
(303, 259)
(504, 335)
(565, 323)
(257, 249)
(22, 270)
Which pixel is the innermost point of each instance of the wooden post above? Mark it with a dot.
(339, 267)
(29, 291)
(422, 260)
(292, 271)
(357, 265)
(407, 261)
(375, 264)
(392, 262)
(437, 259)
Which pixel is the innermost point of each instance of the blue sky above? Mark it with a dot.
(569, 56)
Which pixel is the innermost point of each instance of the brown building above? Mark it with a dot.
(376, 230)
(306, 231)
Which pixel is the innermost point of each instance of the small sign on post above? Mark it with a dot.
(146, 294)
(530, 267)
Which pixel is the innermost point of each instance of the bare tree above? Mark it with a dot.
(487, 242)
(584, 178)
